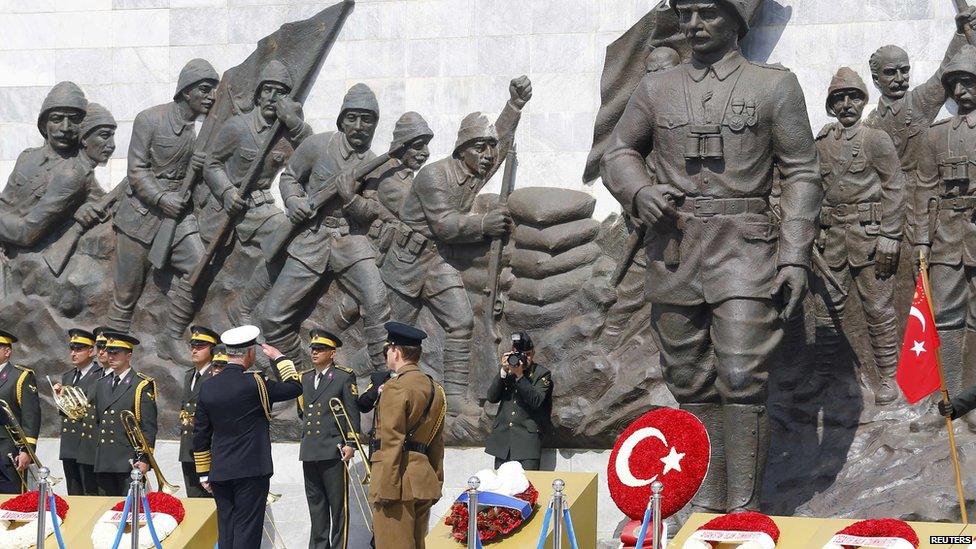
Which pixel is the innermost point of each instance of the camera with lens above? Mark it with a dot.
(521, 345)
(517, 358)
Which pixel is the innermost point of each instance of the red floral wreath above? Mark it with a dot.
(493, 522)
(882, 528)
(27, 503)
(744, 522)
(160, 502)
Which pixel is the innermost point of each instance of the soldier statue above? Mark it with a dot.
(51, 183)
(861, 219)
(238, 143)
(333, 244)
(719, 271)
(944, 222)
(161, 153)
(436, 215)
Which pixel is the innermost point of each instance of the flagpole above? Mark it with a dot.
(924, 271)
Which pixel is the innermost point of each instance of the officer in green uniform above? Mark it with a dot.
(202, 342)
(18, 387)
(83, 375)
(124, 389)
(523, 391)
(88, 443)
(325, 444)
(219, 360)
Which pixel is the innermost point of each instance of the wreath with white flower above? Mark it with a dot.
(167, 513)
(18, 520)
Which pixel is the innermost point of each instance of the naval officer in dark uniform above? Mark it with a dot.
(202, 342)
(83, 375)
(326, 446)
(232, 440)
(18, 387)
(523, 391)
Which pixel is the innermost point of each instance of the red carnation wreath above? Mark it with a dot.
(893, 533)
(667, 445)
(23, 509)
(167, 513)
(495, 521)
(748, 530)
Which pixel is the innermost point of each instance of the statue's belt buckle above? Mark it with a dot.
(708, 207)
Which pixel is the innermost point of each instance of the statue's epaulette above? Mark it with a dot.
(344, 369)
(774, 66)
(825, 131)
(941, 122)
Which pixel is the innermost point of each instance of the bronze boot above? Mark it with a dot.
(884, 342)
(711, 497)
(746, 449)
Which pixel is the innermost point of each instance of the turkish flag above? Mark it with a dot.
(918, 368)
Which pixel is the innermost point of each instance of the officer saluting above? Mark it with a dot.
(231, 436)
(18, 387)
(123, 390)
(202, 342)
(83, 375)
(326, 478)
(408, 453)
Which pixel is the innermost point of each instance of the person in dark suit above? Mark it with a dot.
(124, 389)
(232, 440)
(523, 391)
(325, 444)
(202, 342)
(89, 443)
(83, 375)
(370, 398)
(18, 387)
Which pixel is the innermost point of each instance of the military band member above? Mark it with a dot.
(124, 389)
(202, 342)
(89, 442)
(18, 387)
(239, 142)
(523, 391)
(84, 374)
(324, 445)
(408, 453)
(333, 246)
(861, 218)
(420, 268)
(231, 436)
(161, 153)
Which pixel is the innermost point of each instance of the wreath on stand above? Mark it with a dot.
(891, 533)
(18, 519)
(505, 501)
(748, 530)
(167, 513)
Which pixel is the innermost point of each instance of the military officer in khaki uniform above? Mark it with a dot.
(861, 220)
(202, 342)
(89, 443)
(124, 389)
(523, 391)
(325, 444)
(161, 153)
(18, 387)
(408, 452)
(83, 375)
(720, 274)
(237, 145)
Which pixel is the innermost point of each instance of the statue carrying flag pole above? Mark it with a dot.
(920, 369)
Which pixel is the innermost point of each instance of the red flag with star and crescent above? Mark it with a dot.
(918, 368)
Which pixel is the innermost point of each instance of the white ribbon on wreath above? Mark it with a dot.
(840, 541)
(25, 535)
(706, 539)
(103, 534)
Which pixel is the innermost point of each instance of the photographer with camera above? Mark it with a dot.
(523, 390)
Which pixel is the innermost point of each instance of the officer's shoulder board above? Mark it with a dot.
(25, 374)
(306, 371)
(344, 369)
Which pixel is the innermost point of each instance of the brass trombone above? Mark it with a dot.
(346, 430)
(272, 499)
(72, 401)
(19, 438)
(139, 443)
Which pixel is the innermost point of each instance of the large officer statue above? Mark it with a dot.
(237, 146)
(945, 221)
(161, 153)
(333, 244)
(421, 267)
(861, 220)
(719, 270)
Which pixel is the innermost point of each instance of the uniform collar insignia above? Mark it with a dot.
(722, 69)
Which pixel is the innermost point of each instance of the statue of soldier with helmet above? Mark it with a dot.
(722, 273)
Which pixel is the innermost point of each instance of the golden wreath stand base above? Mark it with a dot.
(197, 531)
(581, 496)
(813, 533)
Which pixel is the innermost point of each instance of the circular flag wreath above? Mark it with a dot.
(167, 513)
(667, 445)
(893, 533)
(25, 535)
(748, 530)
